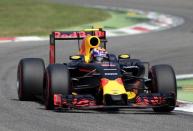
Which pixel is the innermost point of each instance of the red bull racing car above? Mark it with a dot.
(102, 80)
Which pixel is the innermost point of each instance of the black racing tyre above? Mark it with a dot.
(164, 82)
(30, 78)
(57, 82)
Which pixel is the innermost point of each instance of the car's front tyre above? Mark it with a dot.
(57, 82)
(164, 83)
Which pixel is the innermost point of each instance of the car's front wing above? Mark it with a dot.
(88, 102)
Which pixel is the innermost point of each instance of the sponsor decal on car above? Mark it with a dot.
(77, 34)
(111, 74)
(108, 64)
(110, 69)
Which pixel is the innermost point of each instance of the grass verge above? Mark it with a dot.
(119, 19)
(39, 17)
(185, 90)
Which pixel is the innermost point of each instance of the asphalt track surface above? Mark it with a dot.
(173, 46)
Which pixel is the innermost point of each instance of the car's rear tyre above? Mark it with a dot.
(57, 82)
(164, 82)
(30, 78)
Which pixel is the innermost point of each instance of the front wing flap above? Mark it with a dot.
(88, 102)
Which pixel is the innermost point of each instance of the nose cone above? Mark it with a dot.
(113, 87)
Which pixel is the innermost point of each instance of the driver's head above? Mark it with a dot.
(98, 54)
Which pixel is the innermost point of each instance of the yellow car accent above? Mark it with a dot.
(124, 56)
(74, 93)
(95, 29)
(113, 88)
(76, 57)
(87, 46)
(131, 95)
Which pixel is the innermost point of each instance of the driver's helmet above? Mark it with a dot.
(98, 54)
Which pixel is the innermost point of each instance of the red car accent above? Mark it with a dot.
(154, 100)
(57, 100)
(63, 102)
(104, 81)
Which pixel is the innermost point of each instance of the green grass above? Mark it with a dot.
(118, 19)
(121, 19)
(39, 17)
(185, 89)
(185, 95)
(185, 83)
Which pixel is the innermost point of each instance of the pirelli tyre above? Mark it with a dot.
(57, 82)
(164, 83)
(30, 78)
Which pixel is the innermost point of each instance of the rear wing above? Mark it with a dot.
(77, 35)
(72, 35)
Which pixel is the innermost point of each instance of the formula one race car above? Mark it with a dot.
(95, 79)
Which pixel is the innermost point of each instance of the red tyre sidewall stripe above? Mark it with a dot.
(47, 88)
(154, 80)
(20, 81)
